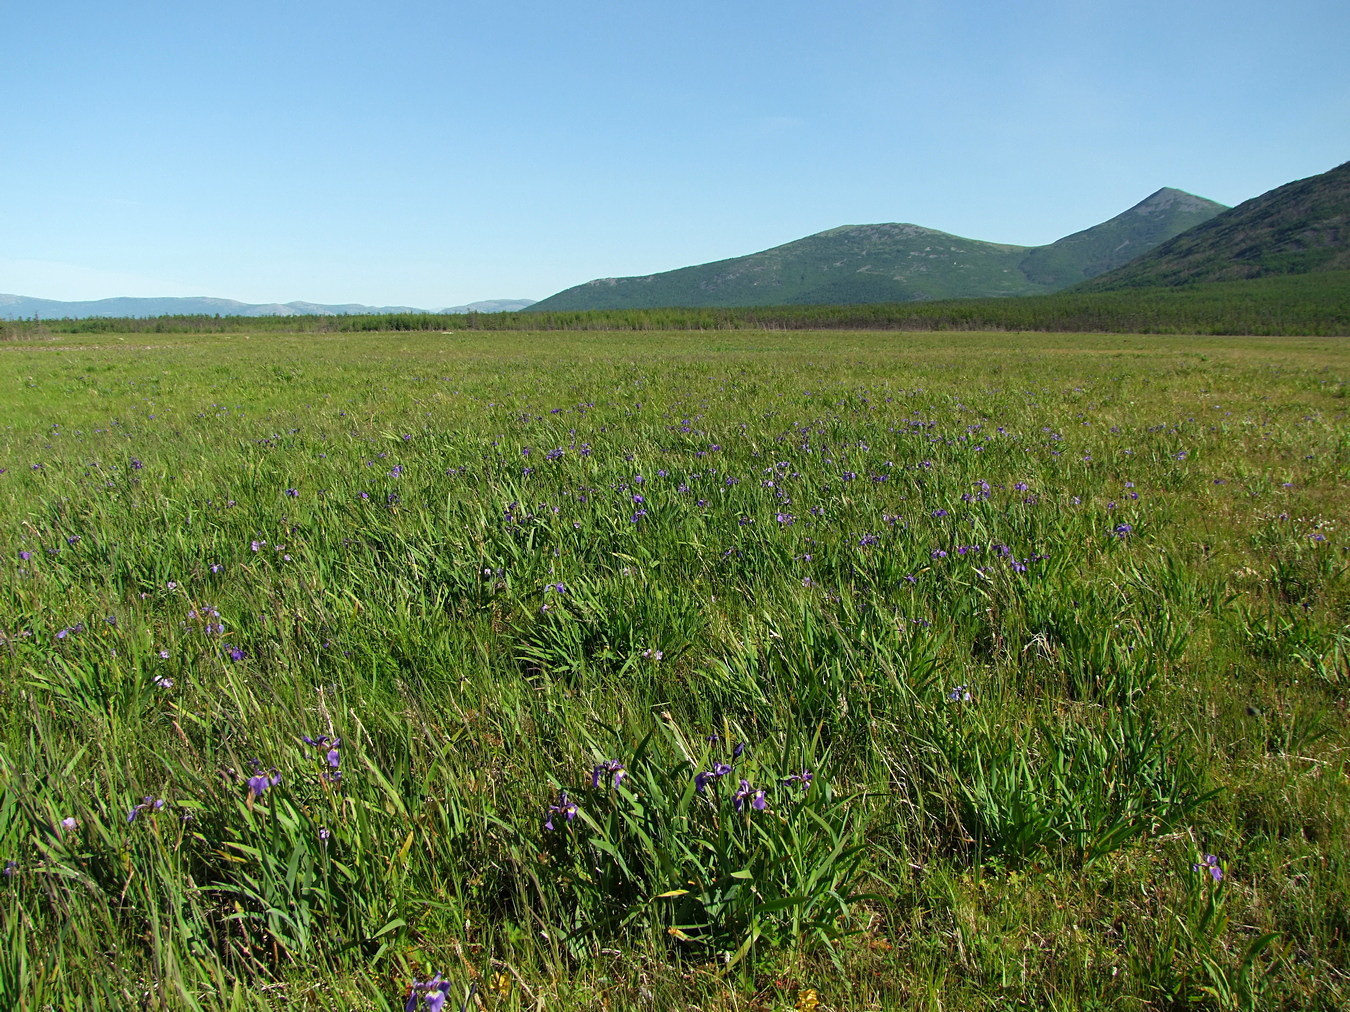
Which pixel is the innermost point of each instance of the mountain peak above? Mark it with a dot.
(1298, 228)
(1169, 199)
(897, 262)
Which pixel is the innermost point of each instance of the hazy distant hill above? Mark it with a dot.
(897, 263)
(1299, 228)
(492, 306)
(19, 307)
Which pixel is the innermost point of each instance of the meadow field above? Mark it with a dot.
(744, 670)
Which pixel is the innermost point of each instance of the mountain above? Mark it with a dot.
(897, 263)
(19, 307)
(1119, 240)
(492, 306)
(1302, 227)
(15, 307)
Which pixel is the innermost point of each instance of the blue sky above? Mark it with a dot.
(436, 153)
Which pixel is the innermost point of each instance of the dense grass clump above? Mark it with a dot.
(747, 671)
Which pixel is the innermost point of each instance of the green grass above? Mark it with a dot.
(829, 549)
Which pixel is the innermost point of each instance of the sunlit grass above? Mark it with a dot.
(1046, 618)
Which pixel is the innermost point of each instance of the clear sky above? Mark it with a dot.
(409, 152)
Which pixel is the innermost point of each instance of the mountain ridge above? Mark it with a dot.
(1302, 227)
(896, 262)
(22, 307)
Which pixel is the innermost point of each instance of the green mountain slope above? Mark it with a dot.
(1104, 247)
(857, 264)
(1299, 228)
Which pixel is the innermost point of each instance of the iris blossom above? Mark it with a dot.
(565, 807)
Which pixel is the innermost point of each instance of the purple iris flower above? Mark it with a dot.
(565, 807)
(331, 755)
(429, 995)
(260, 781)
(803, 779)
(701, 780)
(149, 803)
(748, 793)
(1211, 864)
(608, 766)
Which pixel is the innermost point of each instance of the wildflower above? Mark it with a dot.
(1122, 530)
(747, 793)
(960, 694)
(294, 493)
(429, 995)
(69, 823)
(148, 803)
(161, 682)
(260, 781)
(701, 780)
(739, 750)
(10, 868)
(608, 766)
(565, 807)
(332, 757)
(1210, 863)
(803, 779)
(25, 556)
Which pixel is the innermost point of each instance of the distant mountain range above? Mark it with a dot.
(1170, 238)
(1302, 227)
(19, 307)
(492, 306)
(899, 263)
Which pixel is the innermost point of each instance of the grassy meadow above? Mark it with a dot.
(744, 670)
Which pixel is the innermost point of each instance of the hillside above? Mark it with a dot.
(895, 262)
(1299, 228)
